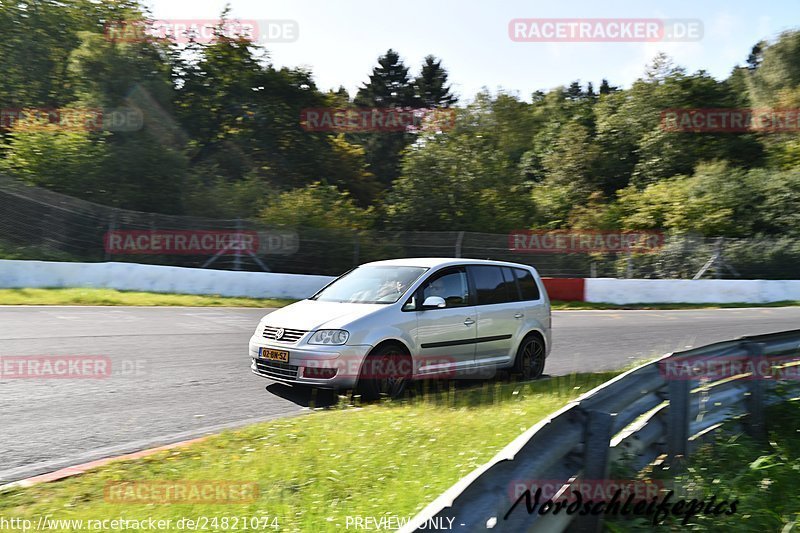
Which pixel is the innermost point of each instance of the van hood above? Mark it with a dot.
(312, 314)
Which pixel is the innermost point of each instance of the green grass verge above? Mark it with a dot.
(388, 459)
(113, 297)
(762, 476)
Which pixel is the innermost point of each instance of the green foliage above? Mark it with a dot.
(389, 86)
(38, 38)
(762, 477)
(716, 200)
(63, 160)
(316, 206)
(571, 160)
(222, 136)
(554, 204)
(460, 180)
(775, 75)
(102, 72)
(431, 89)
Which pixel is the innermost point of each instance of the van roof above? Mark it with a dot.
(435, 262)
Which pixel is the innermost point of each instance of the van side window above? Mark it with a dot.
(491, 286)
(451, 286)
(511, 281)
(527, 285)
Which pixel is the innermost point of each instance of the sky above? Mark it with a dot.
(340, 40)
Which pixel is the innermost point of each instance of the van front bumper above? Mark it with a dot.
(338, 366)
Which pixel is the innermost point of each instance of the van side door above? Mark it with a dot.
(500, 313)
(446, 336)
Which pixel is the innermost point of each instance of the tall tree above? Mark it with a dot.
(243, 116)
(389, 86)
(466, 178)
(756, 55)
(774, 82)
(123, 165)
(431, 85)
(605, 88)
(571, 161)
(39, 36)
(574, 91)
(144, 169)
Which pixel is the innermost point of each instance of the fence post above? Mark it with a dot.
(756, 422)
(459, 241)
(112, 226)
(237, 258)
(629, 266)
(678, 418)
(599, 426)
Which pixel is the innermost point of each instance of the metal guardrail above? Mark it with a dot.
(639, 416)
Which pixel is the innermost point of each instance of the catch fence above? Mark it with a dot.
(40, 224)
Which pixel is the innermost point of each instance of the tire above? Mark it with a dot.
(385, 372)
(529, 363)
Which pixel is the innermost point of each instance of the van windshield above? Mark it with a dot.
(371, 285)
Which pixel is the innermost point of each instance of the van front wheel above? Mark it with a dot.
(385, 372)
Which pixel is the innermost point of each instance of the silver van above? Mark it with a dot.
(384, 324)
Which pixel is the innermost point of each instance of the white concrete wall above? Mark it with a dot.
(154, 278)
(629, 291)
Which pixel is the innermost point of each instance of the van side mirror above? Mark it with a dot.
(434, 302)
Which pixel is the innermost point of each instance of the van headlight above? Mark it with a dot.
(329, 336)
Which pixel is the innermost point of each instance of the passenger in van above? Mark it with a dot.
(390, 291)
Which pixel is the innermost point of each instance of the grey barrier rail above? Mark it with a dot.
(661, 410)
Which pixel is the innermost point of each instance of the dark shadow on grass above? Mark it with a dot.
(501, 387)
(468, 391)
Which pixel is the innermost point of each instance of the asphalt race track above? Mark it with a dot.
(178, 373)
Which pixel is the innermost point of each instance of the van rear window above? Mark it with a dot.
(527, 285)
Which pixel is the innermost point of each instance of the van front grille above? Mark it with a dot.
(289, 335)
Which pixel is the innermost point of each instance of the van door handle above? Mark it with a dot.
(519, 315)
(468, 322)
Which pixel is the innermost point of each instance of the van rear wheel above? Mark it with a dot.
(530, 359)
